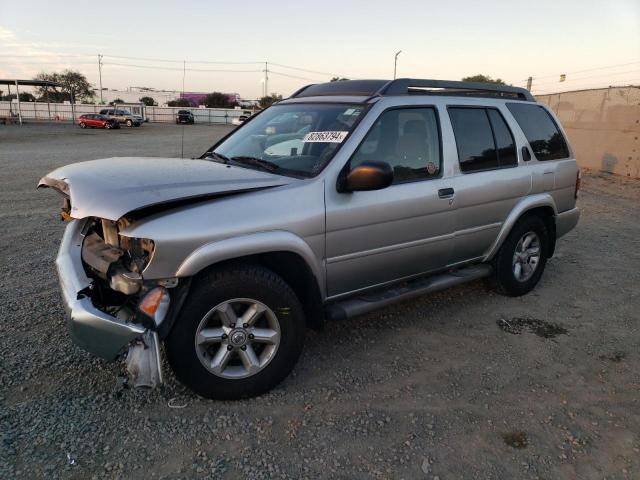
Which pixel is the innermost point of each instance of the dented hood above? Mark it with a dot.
(112, 187)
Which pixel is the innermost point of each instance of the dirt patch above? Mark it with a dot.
(541, 328)
(615, 357)
(517, 440)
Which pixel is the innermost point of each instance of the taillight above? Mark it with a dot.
(578, 183)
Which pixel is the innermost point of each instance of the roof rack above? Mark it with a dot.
(404, 86)
(412, 86)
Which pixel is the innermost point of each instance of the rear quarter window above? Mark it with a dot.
(541, 131)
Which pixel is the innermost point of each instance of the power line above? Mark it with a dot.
(587, 70)
(588, 86)
(177, 69)
(35, 55)
(588, 77)
(181, 61)
(305, 70)
(293, 76)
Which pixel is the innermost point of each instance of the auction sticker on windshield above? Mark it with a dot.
(325, 137)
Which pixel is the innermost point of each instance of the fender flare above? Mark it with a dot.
(252, 244)
(522, 207)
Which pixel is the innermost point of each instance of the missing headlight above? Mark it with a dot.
(140, 251)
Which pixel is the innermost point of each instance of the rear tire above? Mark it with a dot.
(129, 123)
(521, 260)
(229, 293)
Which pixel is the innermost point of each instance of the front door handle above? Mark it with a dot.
(446, 192)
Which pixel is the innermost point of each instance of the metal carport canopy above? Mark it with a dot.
(26, 83)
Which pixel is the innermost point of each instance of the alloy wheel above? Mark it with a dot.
(526, 256)
(237, 338)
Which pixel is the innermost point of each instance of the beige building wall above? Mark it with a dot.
(603, 127)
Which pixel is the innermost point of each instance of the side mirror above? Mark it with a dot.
(526, 154)
(368, 176)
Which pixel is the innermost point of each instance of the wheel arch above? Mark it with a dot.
(284, 253)
(541, 205)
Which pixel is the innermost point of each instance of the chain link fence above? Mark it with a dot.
(66, 112)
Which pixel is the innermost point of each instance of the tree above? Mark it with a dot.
(179, 102)
(269, 100)
(69, 82)
(24, 97)
(117, 100)
(218, 100)
(27, 97)
(338, 79)
(479, 78)
(148, 101)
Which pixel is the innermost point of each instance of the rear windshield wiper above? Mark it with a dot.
(256, 162)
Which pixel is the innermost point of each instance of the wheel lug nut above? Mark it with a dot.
(245, 325)
(251, 336)
(229, 347)
(243, 347)
(224, 336)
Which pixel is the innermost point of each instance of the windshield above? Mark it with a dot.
(297, 139)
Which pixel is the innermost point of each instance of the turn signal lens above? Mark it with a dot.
(152, 301)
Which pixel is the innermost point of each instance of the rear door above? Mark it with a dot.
(406, 229)
(491, 178)
(90, 120)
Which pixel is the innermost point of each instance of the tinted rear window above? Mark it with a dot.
(541, 131)
(504, 139)
(474, 139)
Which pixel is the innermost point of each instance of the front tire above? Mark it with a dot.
(83, 125)
(522, 257)
(239, 334)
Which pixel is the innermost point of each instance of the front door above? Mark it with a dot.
(403, 230)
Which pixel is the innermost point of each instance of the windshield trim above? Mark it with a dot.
(296, 173)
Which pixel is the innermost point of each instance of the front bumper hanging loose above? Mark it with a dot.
(92, 329)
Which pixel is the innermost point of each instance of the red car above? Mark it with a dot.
(95, 120)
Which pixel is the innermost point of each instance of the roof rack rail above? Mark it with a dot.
(365, 88)
(405, 86)
(408, 86)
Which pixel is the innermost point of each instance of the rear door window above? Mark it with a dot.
(541, 131)
(505, 143)
(483, 139)
(476, 150)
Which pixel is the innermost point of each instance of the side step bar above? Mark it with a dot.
(381, 298)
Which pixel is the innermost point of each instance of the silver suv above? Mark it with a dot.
(123, 116)
(346, 197)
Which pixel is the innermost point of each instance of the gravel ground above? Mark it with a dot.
(460, 384)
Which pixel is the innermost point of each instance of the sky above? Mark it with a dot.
(595, 43)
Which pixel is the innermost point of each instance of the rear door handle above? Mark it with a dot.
(446, 192)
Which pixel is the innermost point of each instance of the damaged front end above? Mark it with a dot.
(112, 310)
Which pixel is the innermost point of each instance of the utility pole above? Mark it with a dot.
(100, 75)
(395, 63)
(184, 74)
(266, 79)
(529, 82)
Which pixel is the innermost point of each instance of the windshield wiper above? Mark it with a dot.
(218, 156)
(256, 162)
